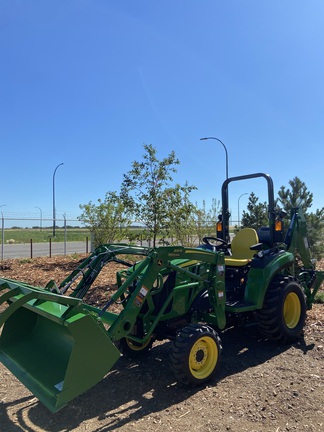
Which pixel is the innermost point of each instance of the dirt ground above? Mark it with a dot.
(261, 386)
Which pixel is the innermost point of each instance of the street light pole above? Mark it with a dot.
(2, 229)
(226, 153)
(41, 216)
(238, 208)
(54, 213)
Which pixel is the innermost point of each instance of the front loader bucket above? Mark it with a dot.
(57, 350)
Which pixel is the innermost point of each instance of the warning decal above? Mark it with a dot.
(140, 296)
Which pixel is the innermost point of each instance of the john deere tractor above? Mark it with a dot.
(59, 345)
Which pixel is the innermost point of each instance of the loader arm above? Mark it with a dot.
(149, 283)
(90, 268)
(58, 346)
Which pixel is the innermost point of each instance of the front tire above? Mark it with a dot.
(134, 349)
(284, 310)
(195, 355)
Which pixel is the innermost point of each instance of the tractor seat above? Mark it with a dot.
(241, 252)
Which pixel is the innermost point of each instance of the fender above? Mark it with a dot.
(263, 268)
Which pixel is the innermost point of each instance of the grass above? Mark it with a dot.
(319, 298)
(25, 261)
(44, 235)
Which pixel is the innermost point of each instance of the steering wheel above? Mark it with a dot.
(222, 243)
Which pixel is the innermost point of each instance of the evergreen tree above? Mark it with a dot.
(256, 215)
(295, 196)
(298, 195)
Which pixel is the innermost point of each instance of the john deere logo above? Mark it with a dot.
(159, 262)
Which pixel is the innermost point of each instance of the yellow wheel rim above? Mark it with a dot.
(135, 346)
(292, 310)
(203, 357)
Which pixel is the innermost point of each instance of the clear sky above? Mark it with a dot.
(88, 82)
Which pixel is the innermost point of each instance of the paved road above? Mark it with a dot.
(27, 250)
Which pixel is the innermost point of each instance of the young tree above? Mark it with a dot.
(108, 221)
(256, 215)
(147, 193)
(205, 220)
(181, 223)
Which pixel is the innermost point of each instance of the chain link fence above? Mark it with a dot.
(29, 237)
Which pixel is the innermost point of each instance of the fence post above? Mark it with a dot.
(2, 247)
(50, 247)
(64, 234)
(92, 242)
(31, 248)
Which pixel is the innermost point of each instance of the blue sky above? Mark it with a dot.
(88, 82)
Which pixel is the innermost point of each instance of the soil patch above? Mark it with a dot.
(261, 386)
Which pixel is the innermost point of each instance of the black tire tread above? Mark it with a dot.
(270, 317)
(181, 347)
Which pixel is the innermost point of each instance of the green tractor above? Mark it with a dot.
(59, 345)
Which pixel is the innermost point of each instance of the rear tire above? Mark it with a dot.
(284, 310)
(195, 355)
